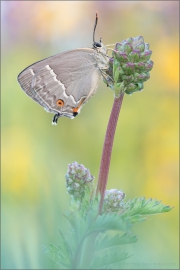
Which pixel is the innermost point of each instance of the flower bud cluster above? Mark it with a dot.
(130, 64)
(113, 201)
(78, 180)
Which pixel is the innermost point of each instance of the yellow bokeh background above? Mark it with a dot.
(35, 154)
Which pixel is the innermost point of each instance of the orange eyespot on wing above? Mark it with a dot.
(76, 109)
(60, 103)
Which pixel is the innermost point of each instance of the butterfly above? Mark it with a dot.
(63, 83)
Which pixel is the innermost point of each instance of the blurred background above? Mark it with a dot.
(35, 154)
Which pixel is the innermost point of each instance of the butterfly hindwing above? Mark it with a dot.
(71, 77)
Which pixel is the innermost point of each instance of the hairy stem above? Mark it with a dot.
(107, 149)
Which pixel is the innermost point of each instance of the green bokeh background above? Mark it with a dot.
(35, 154)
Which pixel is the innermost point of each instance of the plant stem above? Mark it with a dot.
(88, 251)
(107, 149)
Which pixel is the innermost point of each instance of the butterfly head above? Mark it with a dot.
(99, 46)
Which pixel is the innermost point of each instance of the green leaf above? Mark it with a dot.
(136, 218)
(64, 246)
(115, 70)
(57, 255)
(141, 206)
(108, 260)
(114, 241)
(111, 221)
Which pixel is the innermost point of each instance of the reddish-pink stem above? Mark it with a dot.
(107, 149)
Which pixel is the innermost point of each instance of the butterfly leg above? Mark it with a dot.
(107, 79)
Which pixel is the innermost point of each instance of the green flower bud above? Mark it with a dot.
(134, 55)
(138, 77)
(141, 47)
(121, 57)
(145, 56)
(137, 41)
(119, 47)
(127, 48)
(129, 40)
(148, 65)
(130, 88)
(130, 65)
(140, 66)
(113, 201)
(128, 68)
(127, 79)
(145, 76)
(140, 86)
(78, 179)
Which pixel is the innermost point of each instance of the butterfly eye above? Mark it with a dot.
(60, 103)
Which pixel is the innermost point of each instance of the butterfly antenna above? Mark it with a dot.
(96, 21)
